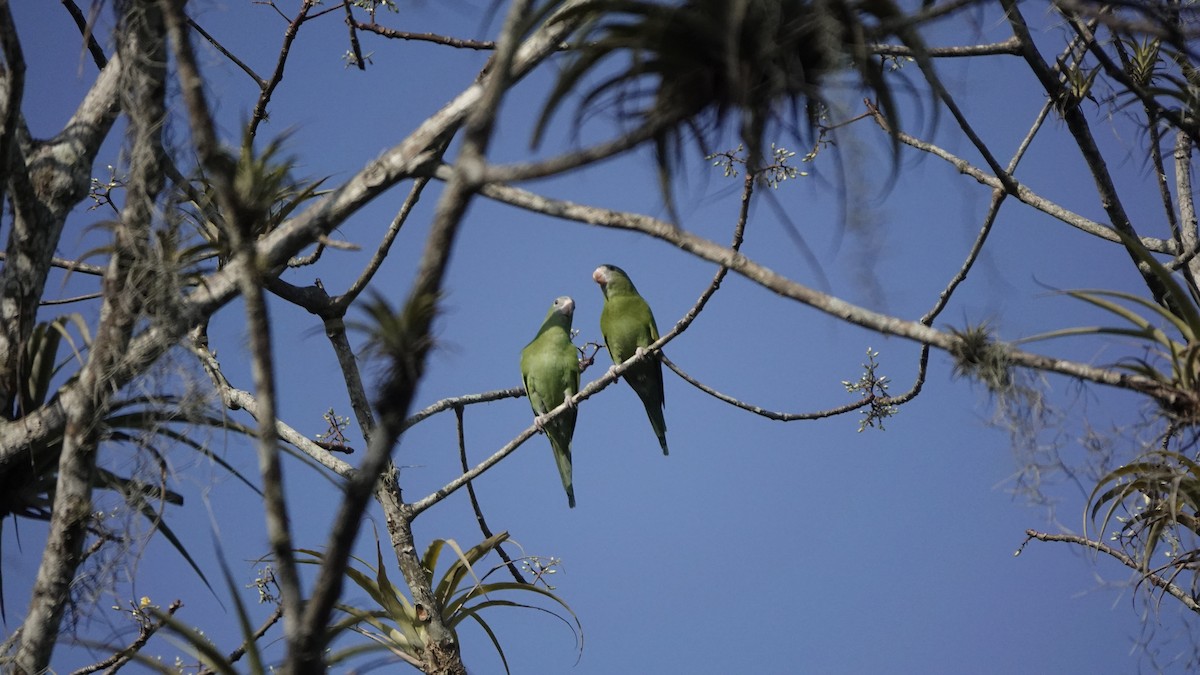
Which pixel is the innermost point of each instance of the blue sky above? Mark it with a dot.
(757, 546)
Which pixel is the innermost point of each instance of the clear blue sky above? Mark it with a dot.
(757, 546)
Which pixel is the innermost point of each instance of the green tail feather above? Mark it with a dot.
(646, 381)
(562, 457)
(654, 410)
(655, 413)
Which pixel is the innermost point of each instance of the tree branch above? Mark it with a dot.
(1010, 46)
(262, 84)
(1189, 241)
(46, 180)
(120, 657)
(268, 86)
(239, 228)
(1080, 130)
(836, 307)
(238, 399)
(85, 30)
(142, 85)
(1028, 197)
(375, 473)
(1170, 588)
(459, 43)
(483, 526)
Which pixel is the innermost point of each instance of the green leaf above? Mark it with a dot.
(198, 645)
(1176, 296)
(464, 565)
(161, 526)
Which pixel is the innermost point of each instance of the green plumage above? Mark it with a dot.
(550, 371)
(628, 325)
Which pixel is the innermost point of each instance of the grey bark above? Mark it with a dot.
(142, 85)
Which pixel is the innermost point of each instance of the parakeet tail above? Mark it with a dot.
(562, 457)
(655, 412)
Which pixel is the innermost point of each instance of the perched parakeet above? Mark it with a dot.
(627, 326)
(550, 370)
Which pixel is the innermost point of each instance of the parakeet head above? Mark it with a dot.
(563, 305)
(609, 276)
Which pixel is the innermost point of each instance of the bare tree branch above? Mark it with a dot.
(262, 84)
(460, 43)
(1080, 130)
(771, 414)
(479, 518)
(1010, 46)
(836, 307)
(238, 399)
(85, 29)
(268, 86)
(239, 228)
(1189, 241)
(71, 265)
(344, 300)
(1175, 591)
(143, 98)
(119, 658)
(1027, 196)
(46, 179)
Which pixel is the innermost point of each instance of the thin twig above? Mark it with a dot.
(381, 251)
(237, 399)
(483, 526)
(1179, 594)
(460, 401)
(459, 43)
(268, 86)
(355, 47)
(769, 414)
(271, 620)
(146, 630)
(73, 265)
(227, 54)
(1029, 197)
(67, 301)
(512, 173)
(85, 29)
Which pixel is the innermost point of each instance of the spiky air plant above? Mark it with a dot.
(1168, 327)
(265, 192)
(690, 66)
(142, 427)
(1153, 500)
(978, 356)
(397, 625)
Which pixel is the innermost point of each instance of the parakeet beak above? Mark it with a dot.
(599, 277)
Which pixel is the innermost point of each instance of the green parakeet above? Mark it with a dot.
(550, 370)
(628, 326)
